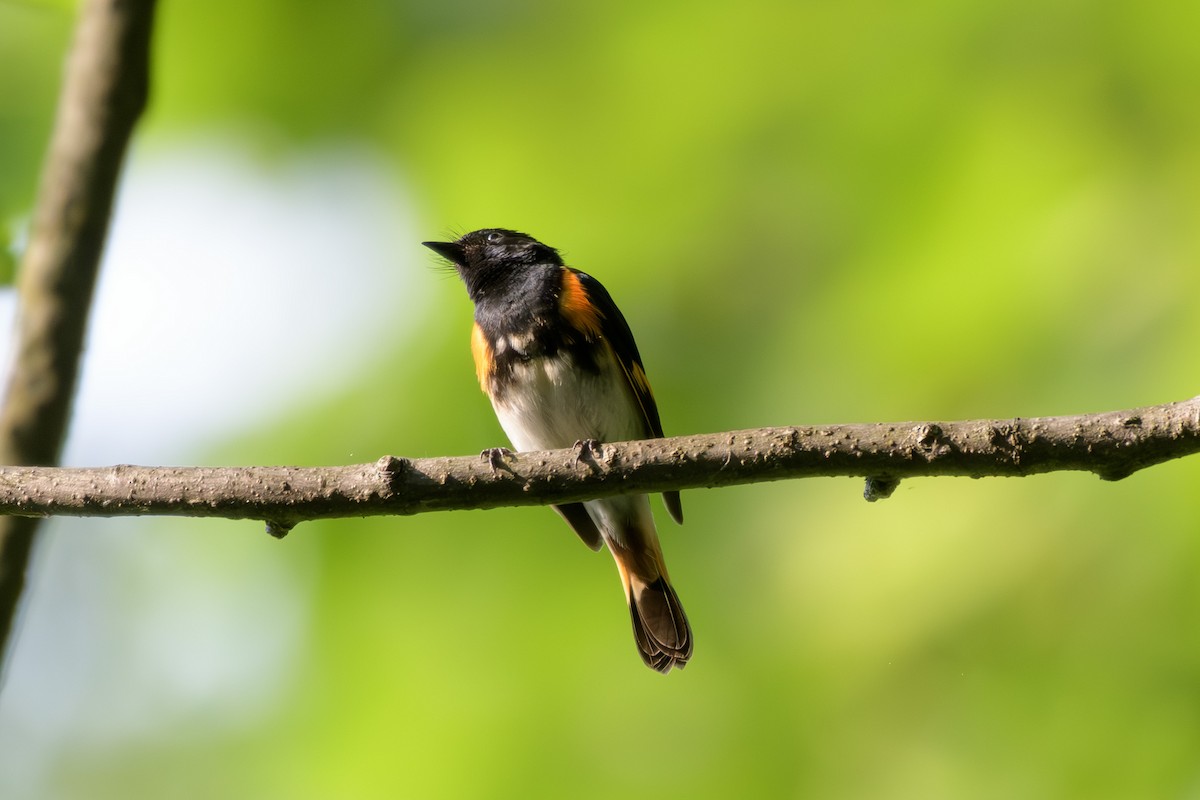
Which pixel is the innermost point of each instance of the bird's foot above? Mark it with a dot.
(588, 450)
(495, 456)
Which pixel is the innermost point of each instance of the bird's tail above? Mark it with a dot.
(660, 627)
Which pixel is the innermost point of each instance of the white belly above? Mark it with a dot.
(552, 404)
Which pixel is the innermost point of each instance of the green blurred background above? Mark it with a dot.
(809, 212)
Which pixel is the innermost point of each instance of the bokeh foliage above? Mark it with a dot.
(809, 212)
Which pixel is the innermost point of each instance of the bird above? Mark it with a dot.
(558, 362)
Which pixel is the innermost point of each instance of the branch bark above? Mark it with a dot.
(104, 92)
(1112, 445)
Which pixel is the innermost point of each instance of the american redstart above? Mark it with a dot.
(558, 361)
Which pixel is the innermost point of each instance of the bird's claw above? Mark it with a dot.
(589, 450)
(495, 457)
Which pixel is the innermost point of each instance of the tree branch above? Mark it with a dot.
(1112, 445)
(104, 92)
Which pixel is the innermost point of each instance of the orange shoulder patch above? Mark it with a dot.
(481, 350)
(576, 308)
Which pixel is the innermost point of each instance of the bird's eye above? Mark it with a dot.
(494, 237)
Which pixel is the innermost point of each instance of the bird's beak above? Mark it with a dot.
(451, 251)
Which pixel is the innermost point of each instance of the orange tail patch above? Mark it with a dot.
(660, 626)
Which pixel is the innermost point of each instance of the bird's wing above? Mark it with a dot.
(588, 306)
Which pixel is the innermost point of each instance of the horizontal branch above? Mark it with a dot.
(1112, 445)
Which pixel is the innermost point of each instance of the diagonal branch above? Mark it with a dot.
(1112, 445)
(104, 92)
